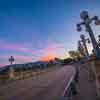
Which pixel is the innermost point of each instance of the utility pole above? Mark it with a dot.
(86, 21)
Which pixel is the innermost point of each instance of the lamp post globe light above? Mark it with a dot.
(84, 15)
(86, 20)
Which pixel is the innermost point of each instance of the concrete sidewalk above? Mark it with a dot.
(86, 88)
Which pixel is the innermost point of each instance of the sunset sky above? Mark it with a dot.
(32, 30)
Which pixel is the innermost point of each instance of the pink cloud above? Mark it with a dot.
(52, 50)
(3, 63)
(18, 59)
(49, 51)
(24, 58)
(15, 46)
(51, 46)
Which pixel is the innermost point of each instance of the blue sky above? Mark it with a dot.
(33, 29)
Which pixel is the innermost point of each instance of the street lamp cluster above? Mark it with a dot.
(82, 45)
(86, 21)
(80, 48)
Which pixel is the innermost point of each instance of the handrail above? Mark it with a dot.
(70, 88)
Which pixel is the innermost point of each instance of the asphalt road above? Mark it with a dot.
(47, 86)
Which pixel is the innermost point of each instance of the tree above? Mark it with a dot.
(67, 60)
(75, 54)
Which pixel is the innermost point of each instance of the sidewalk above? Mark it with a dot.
(86, 88)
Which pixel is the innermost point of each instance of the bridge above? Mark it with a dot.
(49, 86)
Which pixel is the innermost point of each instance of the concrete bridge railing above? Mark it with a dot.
(70, 90)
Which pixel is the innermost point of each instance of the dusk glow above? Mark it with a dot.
(32, 30)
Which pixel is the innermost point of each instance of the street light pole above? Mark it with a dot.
(93, 40)
(86, 20)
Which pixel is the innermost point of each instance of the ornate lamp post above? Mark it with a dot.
(83, 41)
(80, 48)
(11, 60)
(86, 20)
(11, 70)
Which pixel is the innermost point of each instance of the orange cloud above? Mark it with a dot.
(47, 57)
(48, 52)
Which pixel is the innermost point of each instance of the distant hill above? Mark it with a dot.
(25, 65)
